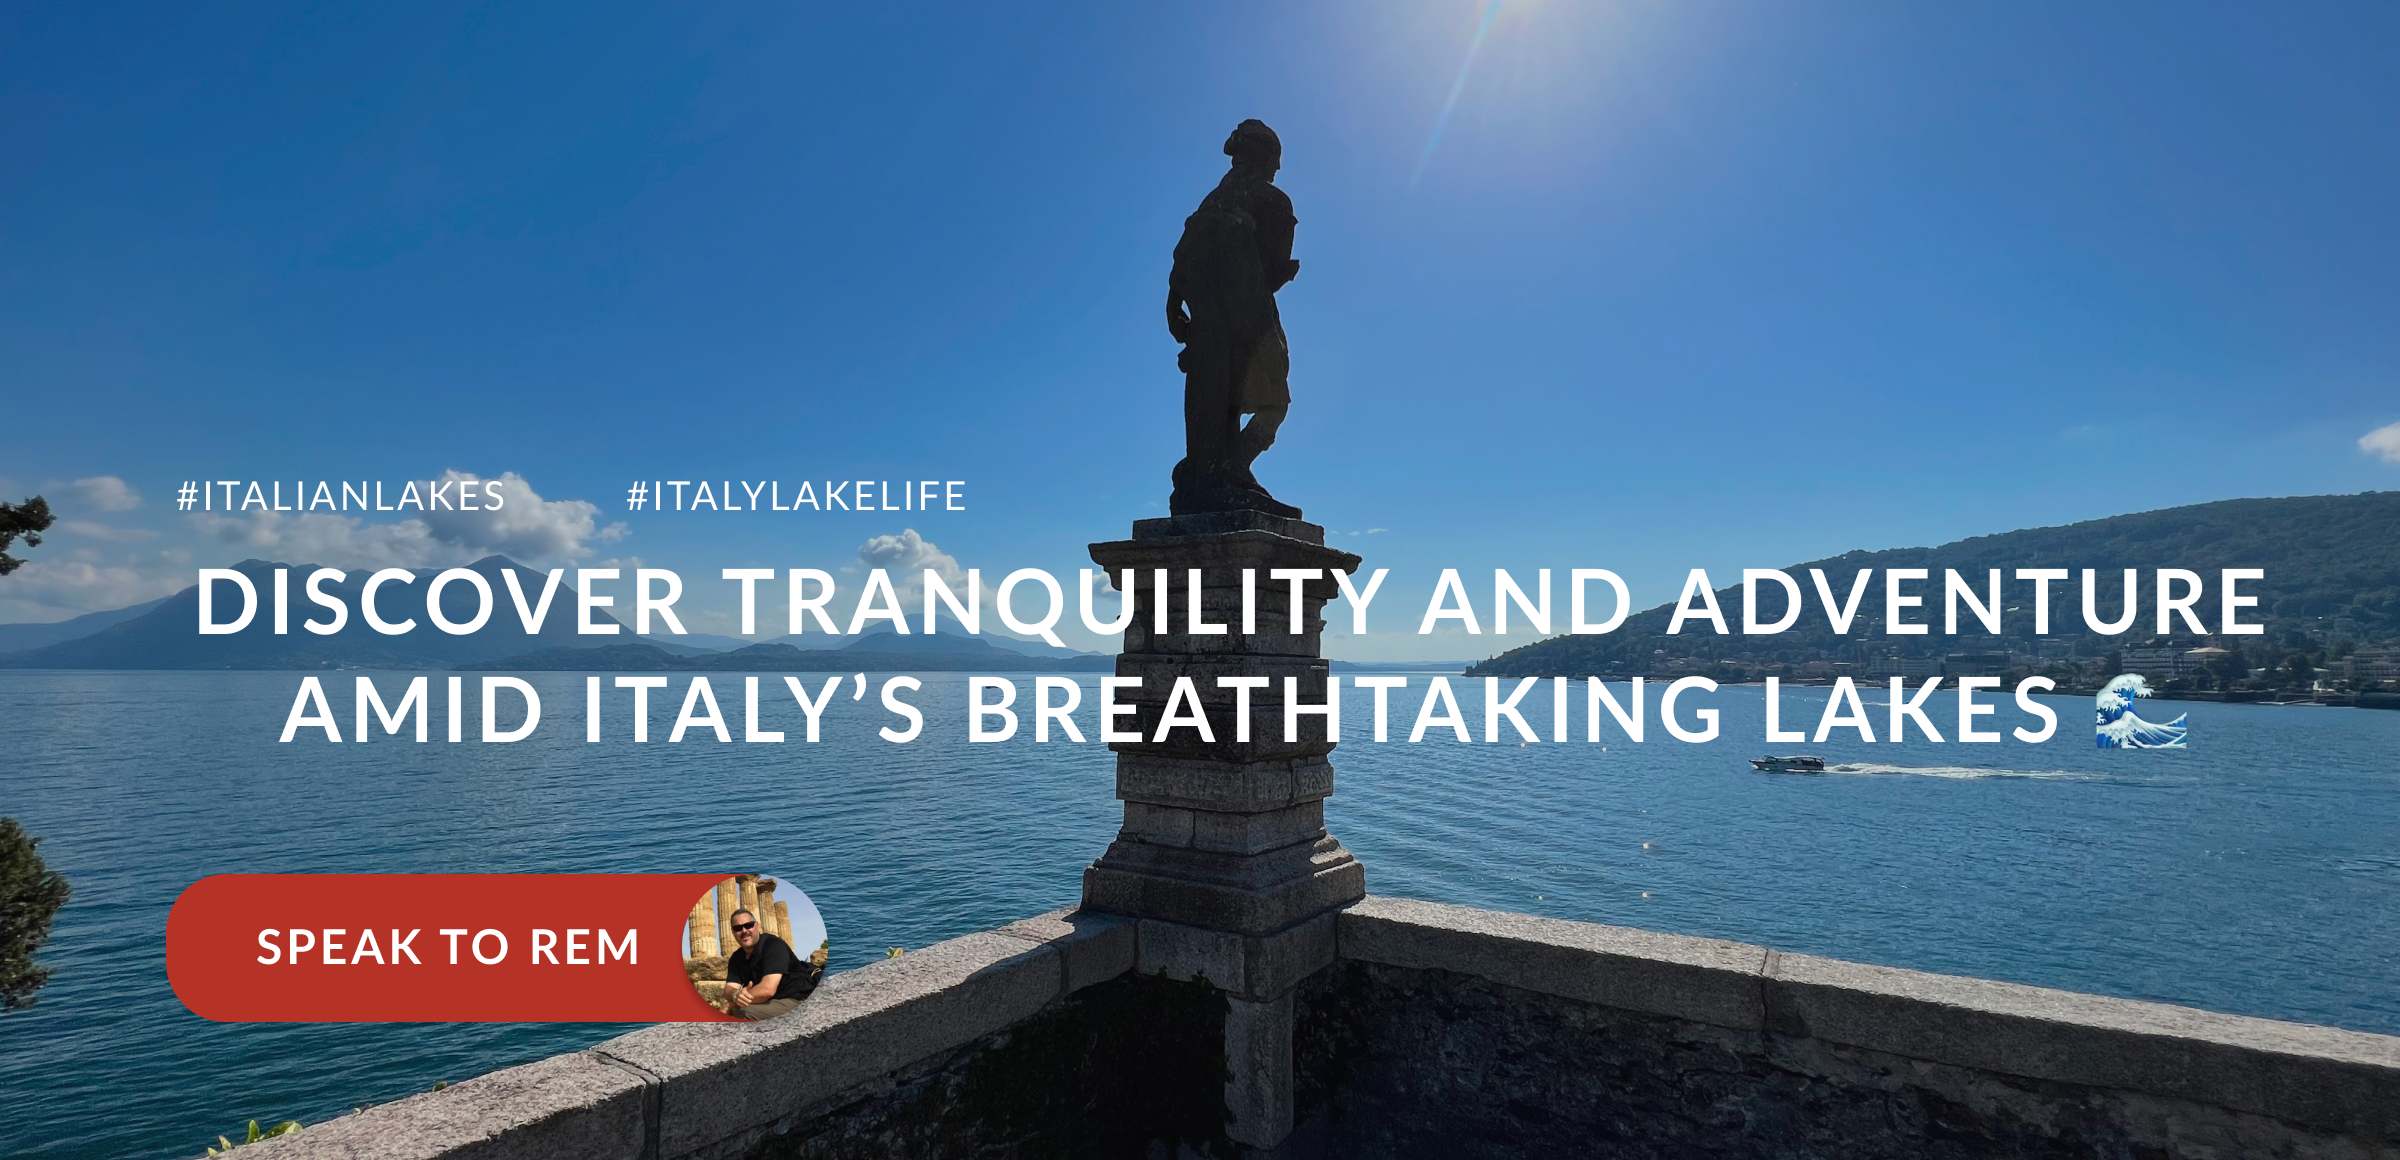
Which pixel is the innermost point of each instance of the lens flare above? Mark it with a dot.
(1491, 8)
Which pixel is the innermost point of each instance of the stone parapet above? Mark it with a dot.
(708, 1090)
(567, 1105)
(2339, 1081)
(2319, 1079)
(1703, 980)
(1423, 1027)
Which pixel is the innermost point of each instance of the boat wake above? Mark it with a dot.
(1960, 772)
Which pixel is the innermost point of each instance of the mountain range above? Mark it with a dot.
(20, 637)
(2332, 566)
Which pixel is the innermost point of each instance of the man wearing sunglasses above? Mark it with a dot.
(764, 979)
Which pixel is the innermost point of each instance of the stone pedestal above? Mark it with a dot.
(1224, 854)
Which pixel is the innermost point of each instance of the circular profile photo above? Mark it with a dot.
(755, 947)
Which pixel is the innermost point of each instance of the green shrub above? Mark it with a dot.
(254, 1135)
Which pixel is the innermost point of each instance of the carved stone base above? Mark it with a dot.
(1338, 882)
(1224, 855)
(1224, 830)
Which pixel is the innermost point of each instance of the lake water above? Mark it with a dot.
(2257, 872)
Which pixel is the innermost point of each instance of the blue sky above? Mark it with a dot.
(1679, 285)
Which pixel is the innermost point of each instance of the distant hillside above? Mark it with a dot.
(166, 636)
(913, 643)
(19, 637)
(163, 635)
(2332, 573)
(697, 642)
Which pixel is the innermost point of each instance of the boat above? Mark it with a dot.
(1789, 764)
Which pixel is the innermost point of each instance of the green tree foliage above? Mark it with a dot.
(2230, 669)
(30, 893)
(29, 519)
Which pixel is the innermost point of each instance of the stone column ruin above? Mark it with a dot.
(726, 893)
(703, 927)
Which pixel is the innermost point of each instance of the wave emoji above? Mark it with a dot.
(2116, 726)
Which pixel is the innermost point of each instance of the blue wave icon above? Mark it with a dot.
(2117, 727)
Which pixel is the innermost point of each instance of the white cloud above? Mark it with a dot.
(51, 588)
(104, 493)
(98, 531)
(2383, 443)
(526, 528)
(335, 540)
(908, 556)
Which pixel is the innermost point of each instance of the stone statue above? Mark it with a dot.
(1236, 252)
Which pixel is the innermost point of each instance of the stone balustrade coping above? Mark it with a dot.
(716, 1088)
(707, 1090)
(2321, 1077)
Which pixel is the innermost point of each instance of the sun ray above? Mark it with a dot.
(1491, 8)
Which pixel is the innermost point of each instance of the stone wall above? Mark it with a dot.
(1107, 1072)
(1426, 1030)
(847, 1073)
(1448, 1031)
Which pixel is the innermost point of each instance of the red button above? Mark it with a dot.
(436, 948)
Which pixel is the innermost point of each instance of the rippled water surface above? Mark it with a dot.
(2257, 872)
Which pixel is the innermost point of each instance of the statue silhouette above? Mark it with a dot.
(1235, 253)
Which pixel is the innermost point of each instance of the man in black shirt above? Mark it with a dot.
(764, 979)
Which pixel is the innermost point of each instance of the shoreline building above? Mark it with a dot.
(2167, 659)
(2373, 663)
